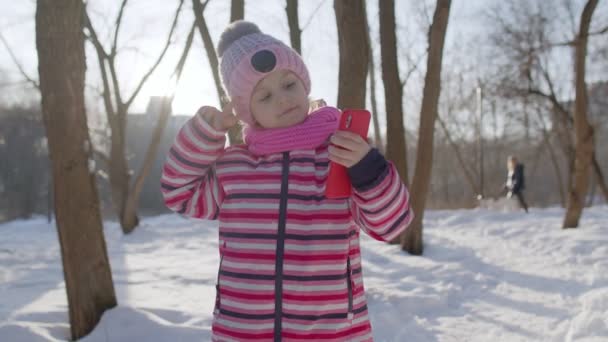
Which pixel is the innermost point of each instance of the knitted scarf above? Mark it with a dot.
(309, 134)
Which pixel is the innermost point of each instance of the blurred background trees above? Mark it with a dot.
(507, 86)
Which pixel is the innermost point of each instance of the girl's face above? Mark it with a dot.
(279, 100)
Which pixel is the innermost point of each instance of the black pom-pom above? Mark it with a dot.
(264, 61)
(233, 32)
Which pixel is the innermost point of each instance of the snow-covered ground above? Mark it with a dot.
(485, 276)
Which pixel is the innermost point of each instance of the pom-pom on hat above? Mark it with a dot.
(246, 56)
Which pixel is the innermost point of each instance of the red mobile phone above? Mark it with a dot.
(338, 182)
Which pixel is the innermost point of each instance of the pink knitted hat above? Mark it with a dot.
(247, 56)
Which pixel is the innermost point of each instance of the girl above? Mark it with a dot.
(290, 264)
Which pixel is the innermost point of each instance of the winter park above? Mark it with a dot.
(284, 170)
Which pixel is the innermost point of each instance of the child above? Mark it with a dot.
(514, 186)
(290, 264)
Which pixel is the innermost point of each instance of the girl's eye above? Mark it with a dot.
(265, 98)
(290, 85)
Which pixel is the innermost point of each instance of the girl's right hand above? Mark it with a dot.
(221, 121)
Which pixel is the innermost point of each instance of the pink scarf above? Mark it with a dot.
(309, 134)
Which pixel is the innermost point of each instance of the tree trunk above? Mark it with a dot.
(372, 89)
(350, 19)
(411, 240)
(61, 66)
(237, 10)
(396, 149)
(117, 110)
(120, 176)
(129, 218)
(49, 201)
(234, 133)
(295, 33)
(583, 131)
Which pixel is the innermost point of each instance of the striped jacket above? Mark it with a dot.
(290, 263)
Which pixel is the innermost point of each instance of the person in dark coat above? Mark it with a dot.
(515, 183)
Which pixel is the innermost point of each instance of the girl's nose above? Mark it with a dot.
(282, 99)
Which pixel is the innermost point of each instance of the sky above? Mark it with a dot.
(485, 275)
(147, 22)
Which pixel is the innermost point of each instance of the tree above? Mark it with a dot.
(117, 109)
(234, 133)
(582, 130)
(527, 43)
(295, 33)
(237, 10)
(354, 59)
(165, 111)
(411, 239)
(396, 149)
(61, 67)
(372, 90)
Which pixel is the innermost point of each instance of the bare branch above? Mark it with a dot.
(177, 74)
(19, 66)
(312, 15)
(413, 68)
(160, 57)
(209, 47)
(469, 175)
(571, 43)
(599, 32)
(101, 57)
(116, 84)
(165, 112)
(118, 22)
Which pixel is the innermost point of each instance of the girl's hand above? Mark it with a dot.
(353, 148)
(221, 121)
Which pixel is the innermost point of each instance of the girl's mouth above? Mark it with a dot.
(289, 110)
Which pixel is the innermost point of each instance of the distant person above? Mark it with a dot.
(290, 263)
(515, 183)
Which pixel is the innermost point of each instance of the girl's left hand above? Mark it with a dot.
(353, 148)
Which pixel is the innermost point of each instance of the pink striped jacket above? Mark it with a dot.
(290, 264)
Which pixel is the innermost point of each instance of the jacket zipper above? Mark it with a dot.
(278, 298)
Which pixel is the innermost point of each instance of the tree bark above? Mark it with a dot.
(372, 89)
(295, 33)
(378, 142)
(61, 66)
(396, 149)
(411, 240)
(354, 59)
(583, 131)
(237, 10)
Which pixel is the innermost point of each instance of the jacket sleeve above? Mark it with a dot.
(380, 202)
(188, 183)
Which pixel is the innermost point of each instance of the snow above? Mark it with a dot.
(485, 276)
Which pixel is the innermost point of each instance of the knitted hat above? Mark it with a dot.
(247, 56)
